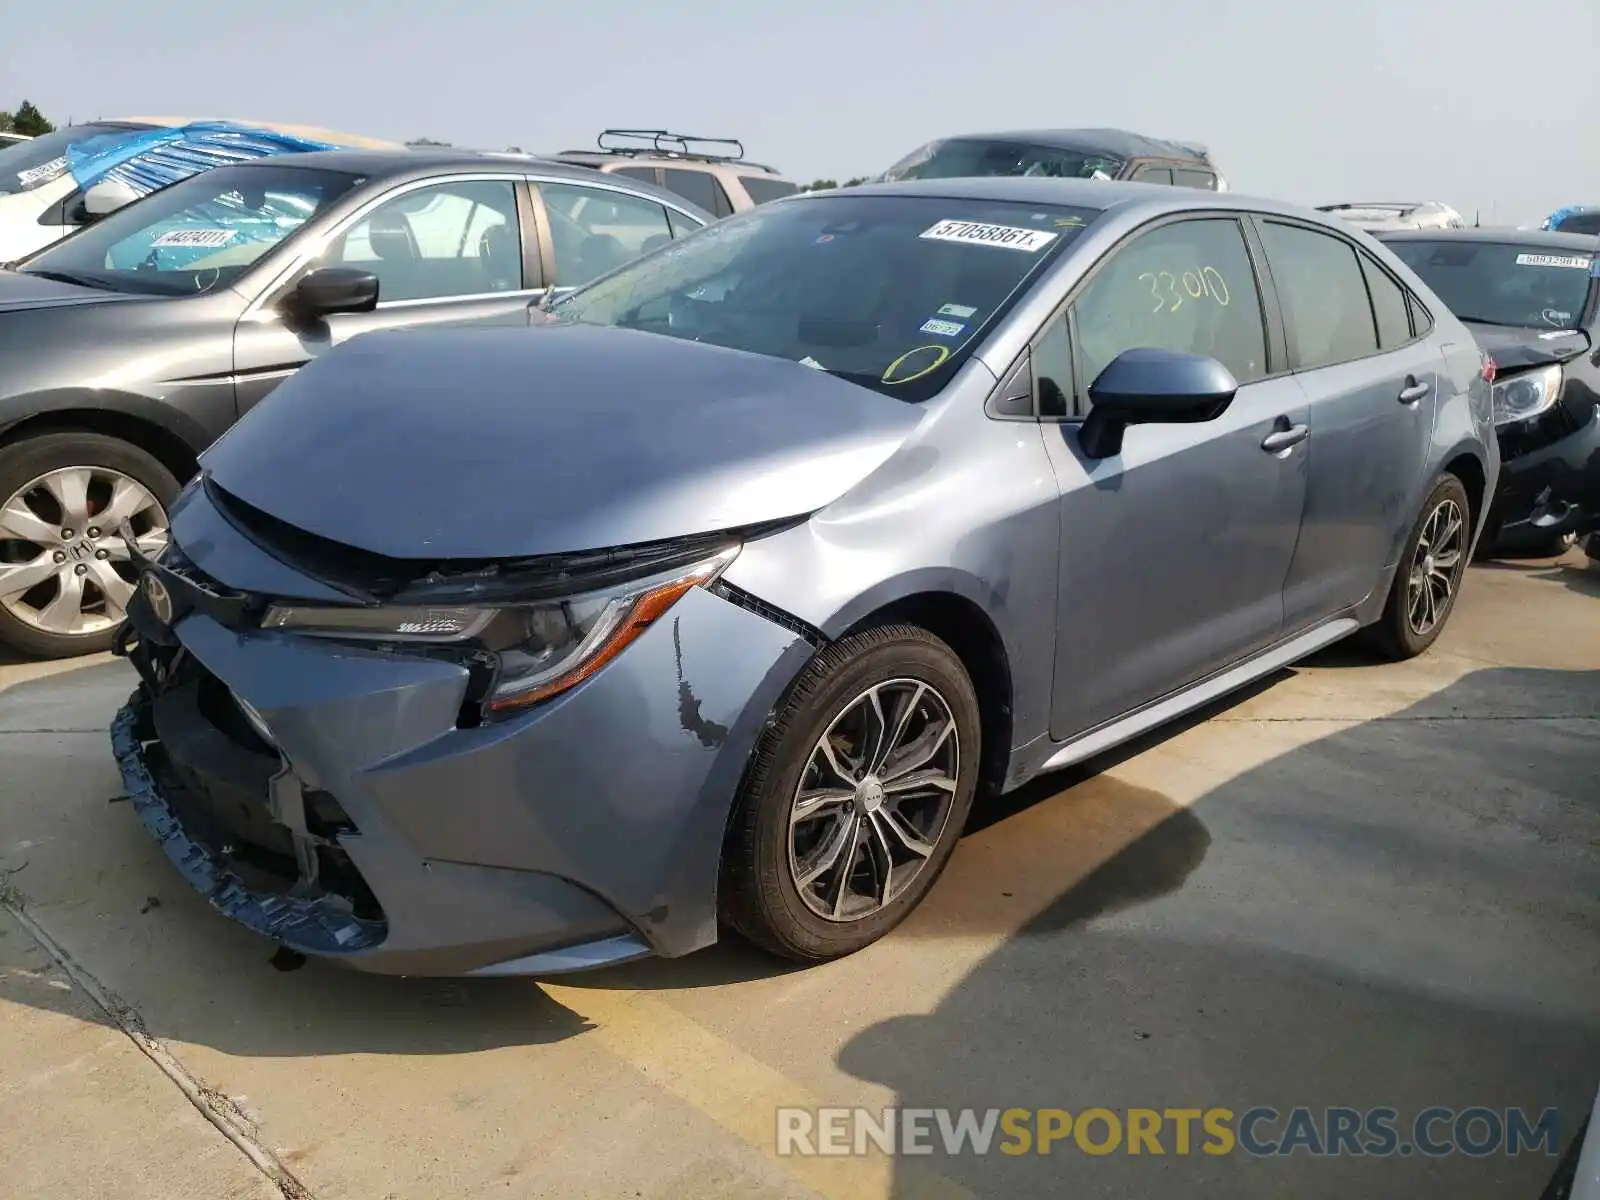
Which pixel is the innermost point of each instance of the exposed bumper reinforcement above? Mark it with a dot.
(312, 926)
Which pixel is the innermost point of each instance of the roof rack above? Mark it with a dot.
(662, 141)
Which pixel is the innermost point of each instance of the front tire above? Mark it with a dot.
(1428, 579)
(65, 572)
(856, 796)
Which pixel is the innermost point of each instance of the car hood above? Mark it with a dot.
(1515, 348)
(20, 291)
(485, 443)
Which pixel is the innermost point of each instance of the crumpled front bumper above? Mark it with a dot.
(1554, 488)
(586, 831)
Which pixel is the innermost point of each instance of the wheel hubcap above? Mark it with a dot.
(1436, 567)
(64, 567)
(873, 800)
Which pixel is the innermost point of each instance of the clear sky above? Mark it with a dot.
(1486, 104)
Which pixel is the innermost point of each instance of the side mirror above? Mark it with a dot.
(1148, 387)
(106, 197)
(330, 290)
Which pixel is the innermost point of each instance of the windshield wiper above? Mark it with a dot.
(69, 277)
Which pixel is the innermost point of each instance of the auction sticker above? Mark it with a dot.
(942, 328)
(43, 172)
(976, 233)
(205, 239)
(1552, 260)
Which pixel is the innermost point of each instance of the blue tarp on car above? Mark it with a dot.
(145, 162)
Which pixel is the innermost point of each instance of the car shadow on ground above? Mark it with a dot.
(1405, 914)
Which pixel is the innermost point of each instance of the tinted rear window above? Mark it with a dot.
(763, 189)
(892, 292)
(1499, 283)
(956, 158)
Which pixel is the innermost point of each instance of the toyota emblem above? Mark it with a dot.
(159, 599)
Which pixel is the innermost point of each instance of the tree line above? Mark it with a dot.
(27, 119)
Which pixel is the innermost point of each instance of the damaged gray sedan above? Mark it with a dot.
(714, 597)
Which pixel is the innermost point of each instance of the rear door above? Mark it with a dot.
(1371, 385)
(447, 251)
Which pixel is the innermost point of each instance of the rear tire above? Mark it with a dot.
(35, 509)
(1428, 579)
(891, 807)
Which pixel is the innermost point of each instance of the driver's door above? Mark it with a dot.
(448, 252)
(1174, 553)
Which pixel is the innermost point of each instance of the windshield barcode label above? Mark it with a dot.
(206, 239)
(43, 172)
(975, 233)
(1552, 260)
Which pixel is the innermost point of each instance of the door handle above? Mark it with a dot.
(1414, 390)
(1280, 440)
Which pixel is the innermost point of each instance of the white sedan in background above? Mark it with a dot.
(41, 200)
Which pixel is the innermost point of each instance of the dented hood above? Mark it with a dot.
(1514, 348)
(496, 443)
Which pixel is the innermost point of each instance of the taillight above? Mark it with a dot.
(1489, 368)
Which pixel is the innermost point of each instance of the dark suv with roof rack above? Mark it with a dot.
(721, 181)
(1063, 154)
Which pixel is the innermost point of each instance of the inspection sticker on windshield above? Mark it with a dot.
(957, 310)
(942, 328)
(43, 172)
(204, 239)
(976, 233)
(1552, 260)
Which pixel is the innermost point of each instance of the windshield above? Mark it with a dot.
(1502, 283)
(956, 158)
(33, 163)
(891, 292)
(198, 235)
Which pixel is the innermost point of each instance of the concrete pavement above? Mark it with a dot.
(1358, 885)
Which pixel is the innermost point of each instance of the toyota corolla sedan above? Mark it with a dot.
(714, 597)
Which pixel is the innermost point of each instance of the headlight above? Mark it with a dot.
(1526, 395)
(542, 648)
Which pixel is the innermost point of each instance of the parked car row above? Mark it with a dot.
(710, 593)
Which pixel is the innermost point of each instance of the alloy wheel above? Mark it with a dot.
(64, 567)
(873, 799)
(1436, 567)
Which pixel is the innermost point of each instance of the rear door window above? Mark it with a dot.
(1153, 175)
(699, 187)
(1324, 295)
(1388, 305)
(596, 230)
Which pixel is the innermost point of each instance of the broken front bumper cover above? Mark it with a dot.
(309, 925)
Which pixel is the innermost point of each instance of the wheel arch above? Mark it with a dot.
(173, 440)
(1466, 466)
(965, 626)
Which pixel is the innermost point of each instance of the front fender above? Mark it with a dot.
(66, 400)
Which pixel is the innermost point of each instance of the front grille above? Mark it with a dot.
(1549, 428)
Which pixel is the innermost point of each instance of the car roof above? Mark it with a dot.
(597, 158)
(1098, 194)
(399, 166)
(1119, 143)
(1521, 237)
